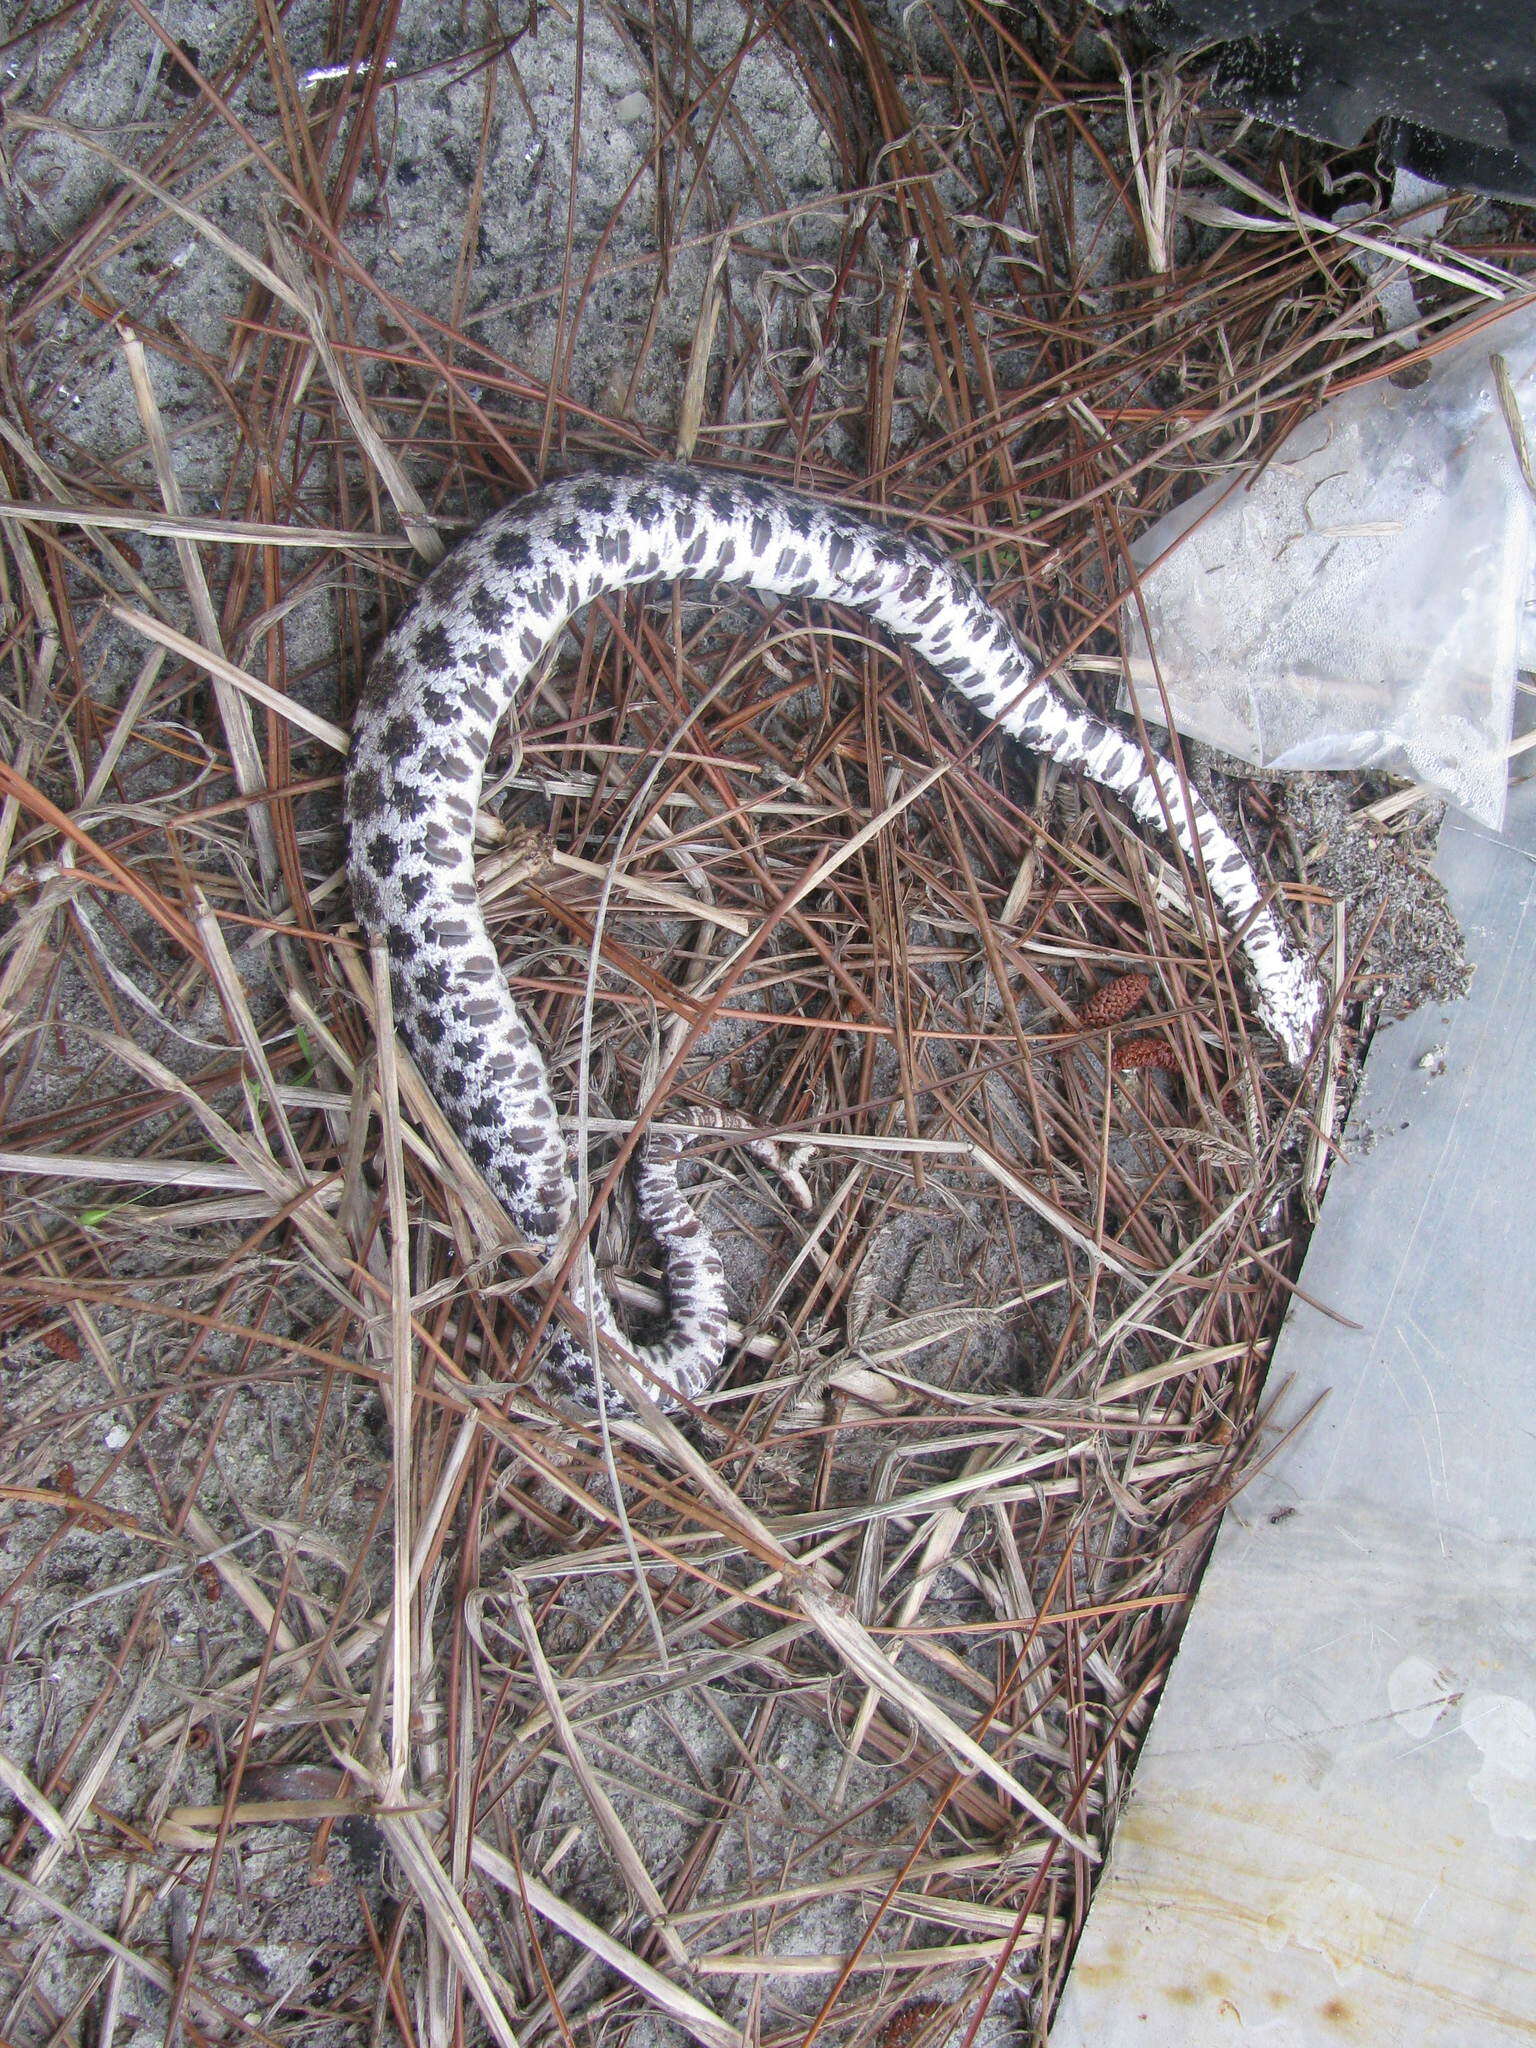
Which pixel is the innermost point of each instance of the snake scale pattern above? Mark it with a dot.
(453, 669)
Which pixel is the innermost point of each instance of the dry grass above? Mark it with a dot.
(810, 1720)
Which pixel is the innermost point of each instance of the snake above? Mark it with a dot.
(457, 664)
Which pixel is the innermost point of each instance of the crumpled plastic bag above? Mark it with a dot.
(1357, 602)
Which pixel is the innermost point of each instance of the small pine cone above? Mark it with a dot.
(910, 2020)
(1116, 999)
(1144, 1052)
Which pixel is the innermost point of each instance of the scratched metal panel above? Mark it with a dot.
(1331, 1836)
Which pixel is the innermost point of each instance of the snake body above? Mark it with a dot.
(453, 668)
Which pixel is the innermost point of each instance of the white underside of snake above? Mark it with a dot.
(453, 668)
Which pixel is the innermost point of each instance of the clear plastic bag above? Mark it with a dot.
(1358, 601)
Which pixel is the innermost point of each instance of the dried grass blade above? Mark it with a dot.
(141, 1966)
(42, 1809)
(225, 671)
(234, 712)
(89, 1782)
(604, 1812)
(408, 502)
(847, 1636)
(1283, 217)
(228, 984)
(951, 1956)
(153, 1173)
(42, 656)
(248, 533)
(687, 2011)
(32, 799)
(691, 409)
(446, 1913)
(402, 1381)
(50, 479)
(287, 1191)
(645, 891)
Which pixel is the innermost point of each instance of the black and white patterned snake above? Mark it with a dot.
(454, 667)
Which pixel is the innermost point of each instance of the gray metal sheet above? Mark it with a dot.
(1331, 1836)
